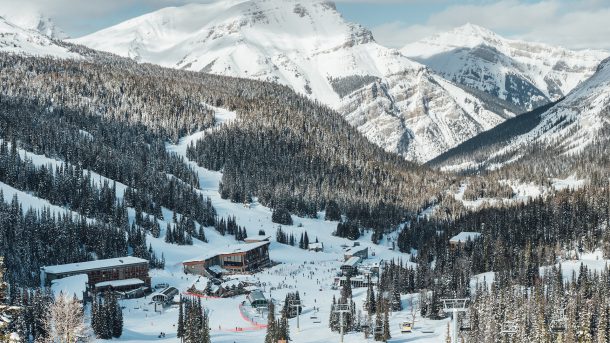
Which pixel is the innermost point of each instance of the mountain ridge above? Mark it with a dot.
(525, 73)
(563, 129)
(318, 53)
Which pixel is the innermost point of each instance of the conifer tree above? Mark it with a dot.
(386, 322)
(602, 324)
(180, 329)
(271, 335)
(346, 290)
(7, 313)
(370, 298)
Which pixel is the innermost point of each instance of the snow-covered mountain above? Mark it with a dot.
(567, 128)
(574, 123)
(526, 74)
(396, 102)
(16, 39)
(33, 20)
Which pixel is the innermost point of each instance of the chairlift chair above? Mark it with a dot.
(558, 326)
(509, 327)
(406, 327)
(465, 324)
(558, 322)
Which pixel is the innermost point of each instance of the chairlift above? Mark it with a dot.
(465, 323)
(509, 327)
(558, 326)
(406, 327)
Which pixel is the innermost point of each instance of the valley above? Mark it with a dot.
(268, 171)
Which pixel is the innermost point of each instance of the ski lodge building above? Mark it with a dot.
(257, 299)
(462, 238)
(237, 258)
(123, 272)
(350, 267)
(356, 251)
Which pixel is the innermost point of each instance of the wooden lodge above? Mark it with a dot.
(238, 258)
(132, 271)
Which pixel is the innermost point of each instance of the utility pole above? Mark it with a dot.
(455, 306)
(296, 304)
(342, 309)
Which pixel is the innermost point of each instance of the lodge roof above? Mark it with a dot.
(93, 265)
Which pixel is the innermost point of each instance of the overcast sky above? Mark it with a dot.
(576, 24)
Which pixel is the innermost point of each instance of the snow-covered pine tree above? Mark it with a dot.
(270, 336)
(396, 303)
(370, 298)
(7, 313)
(117, 317)
(346, 290)
(333, 320)
(378, 332)
(332, 211)
(180, 329)
(205, 329)
(386, 322)
(65, 321)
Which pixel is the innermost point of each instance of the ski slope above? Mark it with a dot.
(311, 273)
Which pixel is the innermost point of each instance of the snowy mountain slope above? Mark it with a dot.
(311, 48)
(309, 272)
(419, 115)
(567, 128)
(16, 39)
(526, 74)
(33, 20)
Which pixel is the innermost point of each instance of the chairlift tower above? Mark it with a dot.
(379, 331)
(455, 306)
(342, 309)
(509, 328)
(296, 304)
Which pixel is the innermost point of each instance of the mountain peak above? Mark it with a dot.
(470, 29)
(34, 20)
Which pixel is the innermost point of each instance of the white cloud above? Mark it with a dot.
(573, 24)
(396, 34)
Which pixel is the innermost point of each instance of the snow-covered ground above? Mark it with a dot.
(523, 192)
(570, 268)
(311, 273)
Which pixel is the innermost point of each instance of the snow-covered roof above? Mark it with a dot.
(92, 265)
(464, 236)
(217, 269)
(120, 283)
(229, 249)
(352, 262)
(318, 245)
(256, 295)
(354, 250)
(166, 294)
(258, 238)
(74, 285)
(245, 247)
